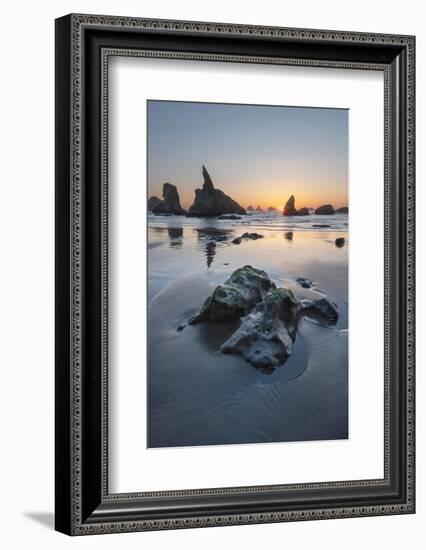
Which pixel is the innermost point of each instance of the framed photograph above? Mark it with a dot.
(234, 274)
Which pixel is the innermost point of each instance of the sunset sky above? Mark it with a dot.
(258, 155)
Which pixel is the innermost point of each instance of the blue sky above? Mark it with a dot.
(258, 155)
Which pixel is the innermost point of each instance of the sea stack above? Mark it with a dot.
(153, 202)
(342, 210)
(325, 210)
(211, 202)
(289, 208)
(170, 203)
(303, 211)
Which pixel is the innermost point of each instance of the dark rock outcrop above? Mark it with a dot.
(304, 282)
(250, 207)
(288, 235)
(258, 209)
(246, 237)
(170, 203)
(269, 316)
(303, 211)
(266, 335)
(339, 242)
(236, 297)
(289, 208)
(342, 210)
(153, 202)
(325, 210)
(211, 202)
(271, 209)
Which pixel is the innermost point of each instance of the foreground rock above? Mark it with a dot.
(170, 203)
(266, 335)
(289, 208)
(246, 237)
(342, 210)
(213, 202)
(269, 316)
(153, 202)
(339, 242)
(325, 210)
(236, 297)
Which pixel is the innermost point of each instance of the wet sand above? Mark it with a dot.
(198, 396)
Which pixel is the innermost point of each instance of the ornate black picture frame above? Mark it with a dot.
(83, 45)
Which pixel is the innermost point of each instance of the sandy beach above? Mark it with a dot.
(200, 396)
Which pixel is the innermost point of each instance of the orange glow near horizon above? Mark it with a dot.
(275, 194)
(257, 155)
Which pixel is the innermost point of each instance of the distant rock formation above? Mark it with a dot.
(258, 209)
(303, 211)
(170, 203)
(212, 202)
(342, 210)
(325, 210)
(250, 207)
(271, 209)
(153, 202)
(289, 208)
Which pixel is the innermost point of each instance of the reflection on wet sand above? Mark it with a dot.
(210, 252)
(200, 396)
(175, 236)
(209, 236)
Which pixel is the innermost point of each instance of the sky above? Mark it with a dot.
(258, 155)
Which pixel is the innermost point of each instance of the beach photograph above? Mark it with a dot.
(247, 259)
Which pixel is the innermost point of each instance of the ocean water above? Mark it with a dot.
(198, 396)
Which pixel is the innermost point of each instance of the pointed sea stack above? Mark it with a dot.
(211, 202)
(289, 208)
(170, 203)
